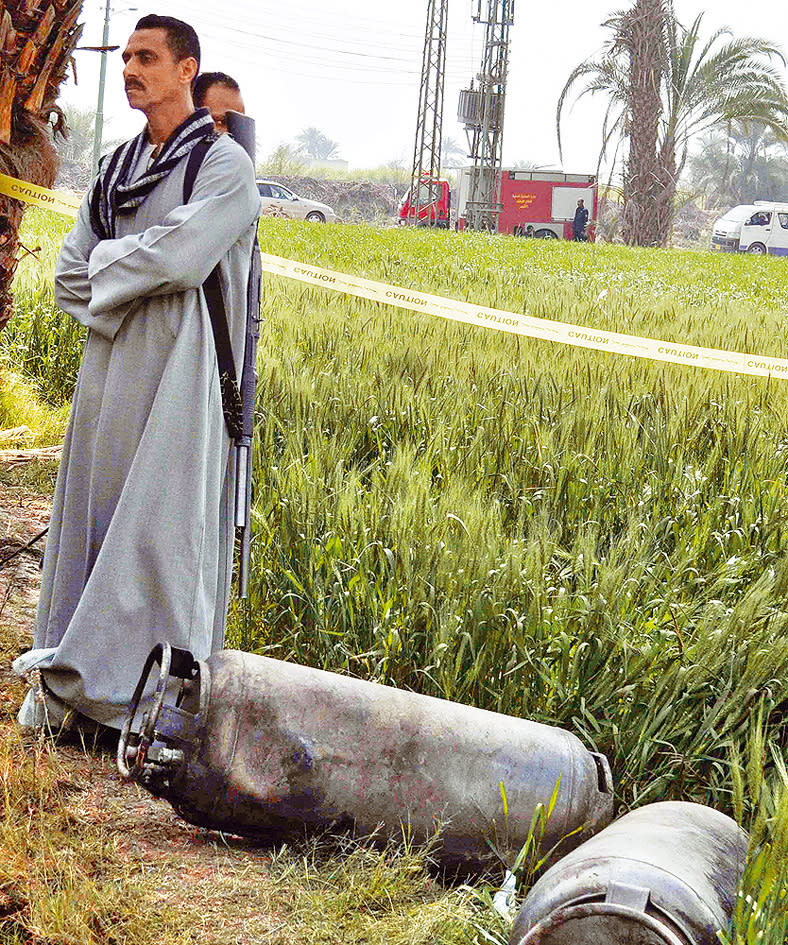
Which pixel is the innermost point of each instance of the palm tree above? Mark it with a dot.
(313, 143)
(453, 154)
(75, 149)
(37, 41)
(745, 162)
(700, 84)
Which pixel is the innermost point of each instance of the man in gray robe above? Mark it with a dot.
(141, 535)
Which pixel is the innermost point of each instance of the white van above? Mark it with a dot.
(760, 227)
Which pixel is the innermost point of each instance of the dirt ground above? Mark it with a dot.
(23, 515)
(221, 881)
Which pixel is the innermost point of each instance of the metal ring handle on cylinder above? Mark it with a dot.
(587, 909)
(161, 654)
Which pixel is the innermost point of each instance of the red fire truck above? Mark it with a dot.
(533, 203)
(431, 212)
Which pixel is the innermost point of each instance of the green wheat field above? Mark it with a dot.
(575, 537)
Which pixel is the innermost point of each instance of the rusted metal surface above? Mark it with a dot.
(665, 874)
(264, 748)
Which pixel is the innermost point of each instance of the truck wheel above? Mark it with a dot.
(316, 217)
(758, 248)
(545, 235)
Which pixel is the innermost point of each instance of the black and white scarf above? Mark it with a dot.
(113, 194)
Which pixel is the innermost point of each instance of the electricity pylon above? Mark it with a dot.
(481, 110)
(427, 153)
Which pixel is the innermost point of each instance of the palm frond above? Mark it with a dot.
(604, 76)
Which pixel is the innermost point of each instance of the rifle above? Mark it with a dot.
(242, 130)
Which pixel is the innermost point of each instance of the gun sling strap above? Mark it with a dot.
(232, 406)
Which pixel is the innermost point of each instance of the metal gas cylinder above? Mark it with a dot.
(263, 748)
(665, 874)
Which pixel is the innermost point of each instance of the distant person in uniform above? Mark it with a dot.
(219, 93)
(580, 222)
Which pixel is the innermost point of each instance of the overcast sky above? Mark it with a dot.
(352, 67)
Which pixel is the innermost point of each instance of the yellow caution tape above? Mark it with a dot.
(735, 362)
(542, 328)
(57, 200)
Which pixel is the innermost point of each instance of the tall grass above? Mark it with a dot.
(586, 540)
(579, 538)
(761, 803)
(40, 341)
(21, 405)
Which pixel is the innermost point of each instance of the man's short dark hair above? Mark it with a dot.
(181, 38)
(205, 80)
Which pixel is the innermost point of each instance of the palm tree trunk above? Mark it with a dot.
(644, 38)
(666, 193)
(36, 42)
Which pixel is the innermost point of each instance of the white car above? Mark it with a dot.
(277, 201)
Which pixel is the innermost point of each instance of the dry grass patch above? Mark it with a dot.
(88, 860)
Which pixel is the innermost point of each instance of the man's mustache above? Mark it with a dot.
(131, 84)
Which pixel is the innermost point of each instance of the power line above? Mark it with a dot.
(368, 64)
(284, 63)
(310, 15)
(222, 23)
(377, 67)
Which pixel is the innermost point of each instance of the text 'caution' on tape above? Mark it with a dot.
(545, 329)
(542, 328)
(57, 200)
